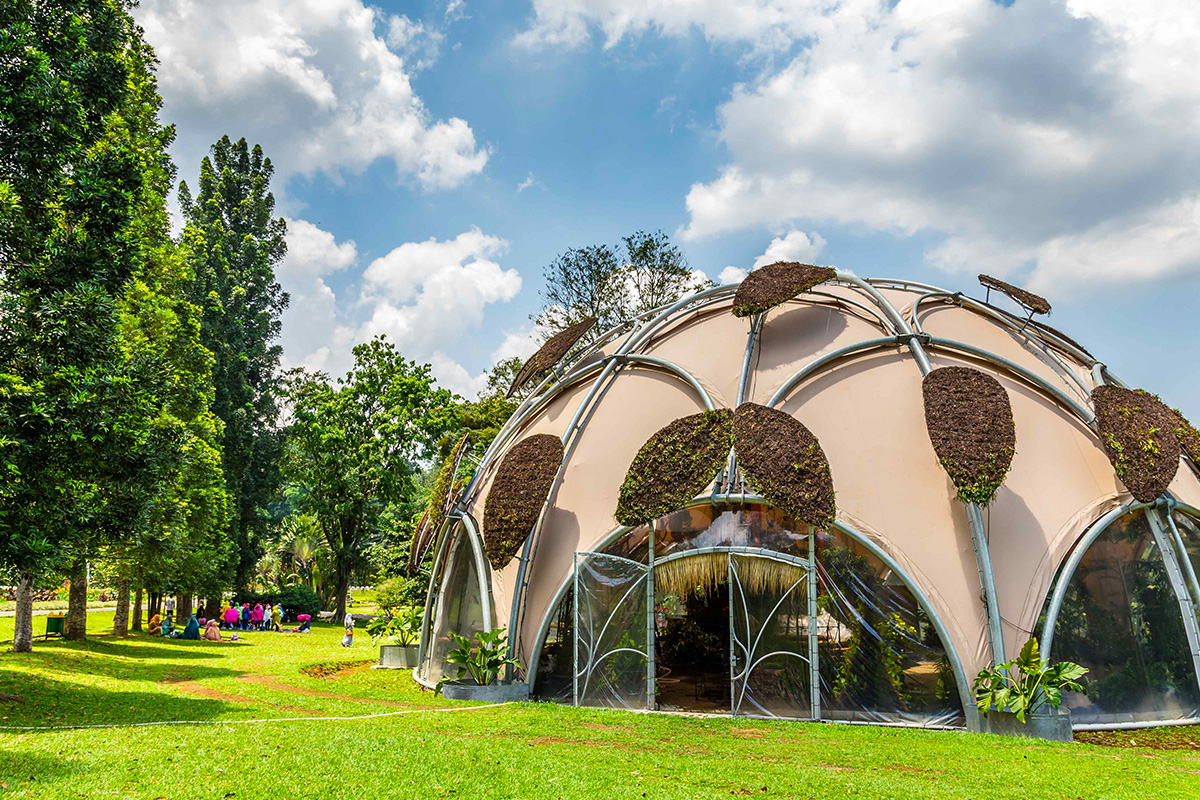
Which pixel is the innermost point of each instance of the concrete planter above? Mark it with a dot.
(1054, 726)
(394, 656)
(495, 693)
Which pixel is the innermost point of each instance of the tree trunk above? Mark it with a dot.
(23, 635)
(343, 586)
(137, 610)
(76, 625)
(155, 604)
(121, 616)
(213, 608)
(183, 608)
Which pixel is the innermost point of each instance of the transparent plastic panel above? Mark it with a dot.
(718, 525)
(769, 619)
(880, 658)
(1189, 532)
(556, 663)
(458, 606)
(611, 618)
(1121, 620)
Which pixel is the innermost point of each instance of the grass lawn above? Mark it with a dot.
(513, 751)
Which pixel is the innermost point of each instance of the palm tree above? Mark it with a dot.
(303, 543)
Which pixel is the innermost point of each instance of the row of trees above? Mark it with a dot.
(140, 380)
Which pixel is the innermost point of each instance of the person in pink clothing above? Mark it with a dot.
(231, 617)
(256, 617)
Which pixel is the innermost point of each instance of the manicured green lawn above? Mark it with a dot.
(514, 751)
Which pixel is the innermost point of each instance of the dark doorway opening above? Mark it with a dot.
(692, 651)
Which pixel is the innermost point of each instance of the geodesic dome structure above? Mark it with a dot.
(839, 499)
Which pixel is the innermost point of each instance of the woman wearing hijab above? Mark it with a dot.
(212, 633)
(277, 617)
(155, 625)
(192, 631)
(231, 617)
(348, 623)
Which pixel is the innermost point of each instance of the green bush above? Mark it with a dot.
(391, 594)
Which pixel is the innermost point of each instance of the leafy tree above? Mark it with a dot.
(353, 446)
(614, 283)
(83, 168)
(235, 242)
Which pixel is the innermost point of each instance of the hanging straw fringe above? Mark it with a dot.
(703, 573)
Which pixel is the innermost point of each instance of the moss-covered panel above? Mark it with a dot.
(1185, 432)
(777, 283)
(549, 353)
(675, 465)
(970, 422)
(518, 491)
(1138, 434)
(1034, 302)
(783, 461)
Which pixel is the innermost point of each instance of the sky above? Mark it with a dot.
(432, 158)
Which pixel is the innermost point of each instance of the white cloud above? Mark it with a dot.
(428, 296)
(313, 81)
(419, 44)
(529, 182)
(517, 344)
(310, 320)
(793, 246)
(1038, 133)
(732, 274)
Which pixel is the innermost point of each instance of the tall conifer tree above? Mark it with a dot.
(236, 242)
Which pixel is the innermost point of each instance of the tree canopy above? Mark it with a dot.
(353, 446)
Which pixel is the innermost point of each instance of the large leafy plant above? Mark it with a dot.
(482, 662)
(1025, 684)
(402, 628)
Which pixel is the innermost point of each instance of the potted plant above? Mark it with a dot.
(399, 634)
(479, 667)
(1023, 697)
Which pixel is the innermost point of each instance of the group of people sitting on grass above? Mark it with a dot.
(245, 618)
(234, 617)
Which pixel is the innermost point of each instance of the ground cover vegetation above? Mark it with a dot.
(519, 750)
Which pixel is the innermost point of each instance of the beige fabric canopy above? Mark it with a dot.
(866, 409)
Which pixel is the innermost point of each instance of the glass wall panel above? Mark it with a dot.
(458, 605)
(611, 619)
(769, 619)
(880, 658)
(1121, 620)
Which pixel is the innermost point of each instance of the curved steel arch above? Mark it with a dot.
(1170, 551)
(970, 711)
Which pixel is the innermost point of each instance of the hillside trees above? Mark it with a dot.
(235, 243)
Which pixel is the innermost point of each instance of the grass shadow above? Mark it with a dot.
(46, 701)
(28, 772)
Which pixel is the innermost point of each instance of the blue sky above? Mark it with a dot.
(433, 157)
